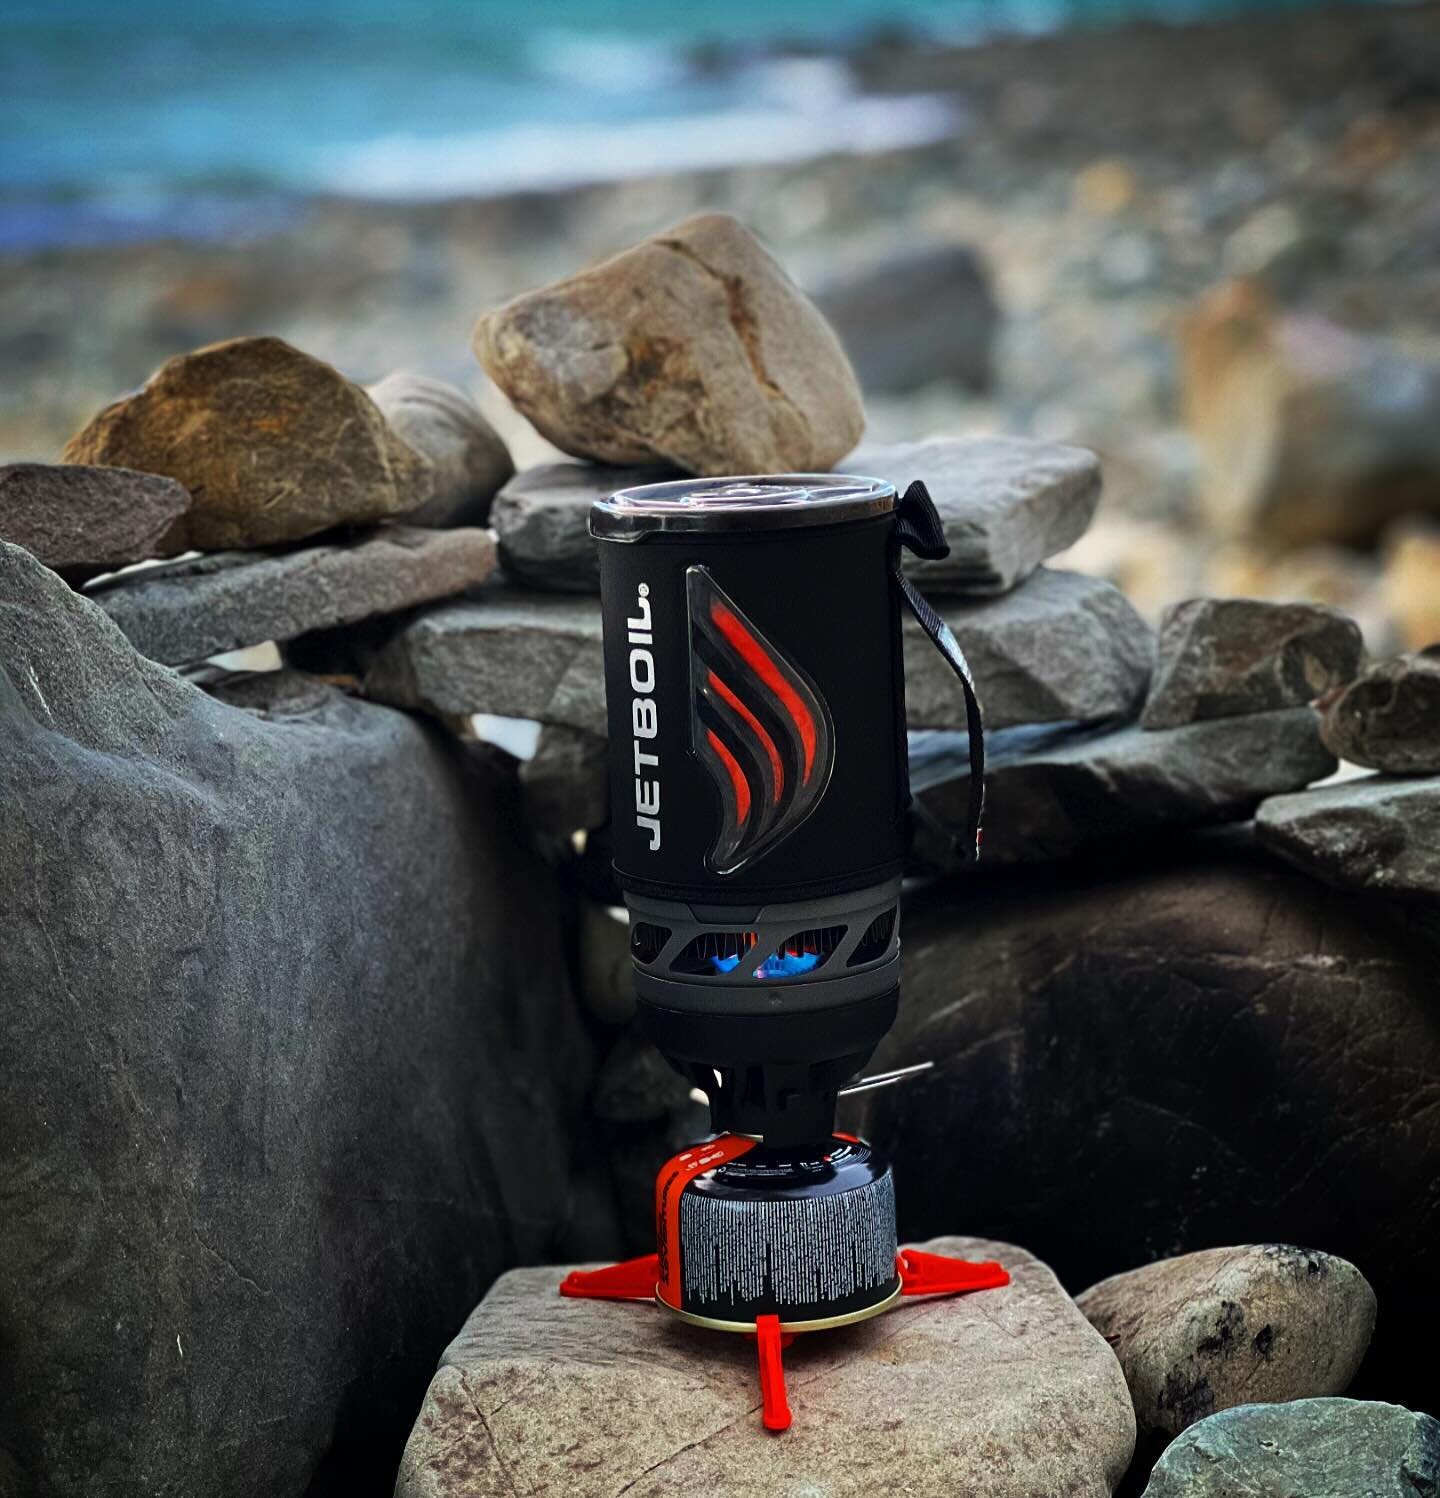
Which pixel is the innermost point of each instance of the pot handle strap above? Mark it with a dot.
(918, 529)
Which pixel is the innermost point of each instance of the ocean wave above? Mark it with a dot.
(518, 157)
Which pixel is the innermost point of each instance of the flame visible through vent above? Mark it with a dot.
(724, 951)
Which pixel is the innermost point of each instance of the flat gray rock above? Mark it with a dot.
(1389, 717)
(1062, 648)
(442, 423)
(1379, 833)
(1220, 657)
(1059, 792)
(264, 1067)
(73, 516)
(1007, 503)
(1206, 1331)
(542, 518)
(914, 316)
(1311, 1448)
(228, 600)
(518, 655)
(1007, 1392)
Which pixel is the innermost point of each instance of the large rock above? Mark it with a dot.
(1007, 503)
(1389, 717)
(906, 319)
(1377, 833)
(1219, 657)
(1062, 648)
(693, 348)
(542, 517)
(443, 424)
(272, 445)
(280, 993)
(1006, 1392)
(81, 519)
(1311, 1448)
(1135, 1059)
(231, 599)
(1054, 793)
(1306, 432)
(1227, 1326)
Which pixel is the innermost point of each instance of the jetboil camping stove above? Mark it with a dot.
(756, 692)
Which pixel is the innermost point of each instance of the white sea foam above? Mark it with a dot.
(603, 63)
(773, 128)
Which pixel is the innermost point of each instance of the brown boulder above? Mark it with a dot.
(1226, 1326)
(693, 348)
(272, 444)
(1307, 432)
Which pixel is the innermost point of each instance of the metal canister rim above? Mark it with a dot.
(743, 502)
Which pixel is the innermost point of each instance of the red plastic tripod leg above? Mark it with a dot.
(775, 1408)
(939, 1274)
(634, 1279)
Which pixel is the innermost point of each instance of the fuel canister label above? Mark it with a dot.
(804, 1257)
(675, 1175)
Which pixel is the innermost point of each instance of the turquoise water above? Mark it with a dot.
(136, 117)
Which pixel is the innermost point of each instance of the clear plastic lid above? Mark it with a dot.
(749, 502)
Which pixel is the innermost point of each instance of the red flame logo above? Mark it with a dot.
(758, 724)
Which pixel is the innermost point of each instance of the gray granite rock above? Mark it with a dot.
(914, 316)
(1063, 647)
(565, 784)
(281, 989)
(1389, 717)
(542, 518)
(442, 423)
(1007, 1392)
(1007, 503)
(519, 655)
(77, 518)
(230, 599)
(1227, 1326)
(1054, 793)
(1221, 657)
(1379, 833)
(1310, 1448)
(1146, 1055)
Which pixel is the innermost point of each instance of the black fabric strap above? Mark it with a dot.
(918, 529)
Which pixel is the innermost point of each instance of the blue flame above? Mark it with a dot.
(787, 964)
(725, 964)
